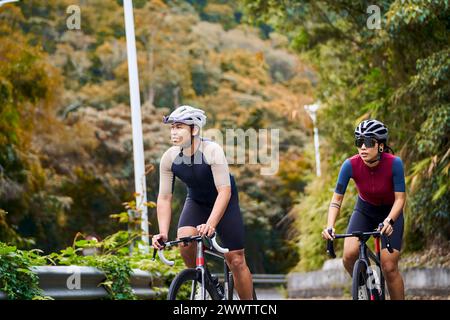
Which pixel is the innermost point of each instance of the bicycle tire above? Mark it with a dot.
(360, 291)
(231, 294)
(186, 277)
(383, 287)
(378, 294)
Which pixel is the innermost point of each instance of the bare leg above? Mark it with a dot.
(188, 252)
(351, 254)
(394, 280)
(241, 274)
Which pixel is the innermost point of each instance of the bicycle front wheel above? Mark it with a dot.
(360, 290)
(187, 286)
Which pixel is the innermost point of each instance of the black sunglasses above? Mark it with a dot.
(368, 142)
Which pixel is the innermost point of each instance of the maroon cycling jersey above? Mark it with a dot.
(376, 185)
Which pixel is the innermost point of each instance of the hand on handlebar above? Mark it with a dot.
(385, 228)
(159, 245)
(382, 226)
(206, 230)
(157, 241)
(328, 233)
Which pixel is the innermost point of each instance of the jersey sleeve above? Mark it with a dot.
(215, 157)
(344, 177)
(398, 175)
(166, 177)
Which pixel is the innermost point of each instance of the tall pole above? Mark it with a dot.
(136, 122)
(312, 111)
(317, 153)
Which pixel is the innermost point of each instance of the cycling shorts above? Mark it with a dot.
(366, 217)
(230, 228)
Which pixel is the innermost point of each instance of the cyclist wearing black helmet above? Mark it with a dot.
(379, 178)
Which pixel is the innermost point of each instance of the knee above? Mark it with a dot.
(390, 269)
(236, 262)
(186, 250)
(349, 258)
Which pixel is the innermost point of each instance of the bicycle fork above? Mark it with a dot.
(374, 276)
(377, 276)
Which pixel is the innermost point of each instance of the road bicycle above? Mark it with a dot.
(367, 280)
(198, 283)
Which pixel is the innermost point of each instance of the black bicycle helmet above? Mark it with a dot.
(373, 129)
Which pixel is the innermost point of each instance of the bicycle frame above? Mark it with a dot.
(200, 265)
(365, 254)
(226, 270)
(200, 260)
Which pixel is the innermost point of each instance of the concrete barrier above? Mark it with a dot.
(427, 281)
(333, 281)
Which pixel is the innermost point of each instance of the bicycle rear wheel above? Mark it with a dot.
(187, 286)
(383, 287)
(360, 290)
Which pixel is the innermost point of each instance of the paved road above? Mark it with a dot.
(277, 294)
(270, 294)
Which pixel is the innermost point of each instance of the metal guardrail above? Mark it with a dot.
(84, 283)
(270, 278)
(261, 278)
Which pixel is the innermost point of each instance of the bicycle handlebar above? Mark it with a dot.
(330, 246)
(217, 246)
(163, 258)
(186, 240)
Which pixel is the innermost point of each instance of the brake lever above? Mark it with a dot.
(155, 251)
(330, 246)
(387, 238)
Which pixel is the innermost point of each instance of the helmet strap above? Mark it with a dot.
(378, 158)
(192, 140)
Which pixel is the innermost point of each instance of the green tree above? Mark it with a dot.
(398, 74)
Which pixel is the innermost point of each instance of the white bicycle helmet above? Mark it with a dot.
(187, 115)
(372, 128)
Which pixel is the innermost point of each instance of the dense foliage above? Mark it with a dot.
(398, 73)
(65, 134)
(65, 144)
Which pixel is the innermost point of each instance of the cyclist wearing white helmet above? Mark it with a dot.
(380, 181)
(212, 201)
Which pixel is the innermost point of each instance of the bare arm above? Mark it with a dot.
(336, 201)
(163, 204)
(397, 207)
(398, 177)
(222, 200)
(220, 205)
(164, 213)
(334, 209)
(333, 212)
